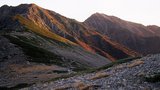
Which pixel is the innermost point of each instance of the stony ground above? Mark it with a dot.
(15, 69)
(126, 76)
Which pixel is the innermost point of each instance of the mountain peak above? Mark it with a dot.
(97, 14)
(22, 8)
(4, 6)
(102, 15)
(32, 5)
(21, 5)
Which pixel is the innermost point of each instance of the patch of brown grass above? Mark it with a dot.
(42, 31)
(99, 75)
(135, 63)
(21, 69)
(62, 88)
(79, 85)
(120, 66)
(83, 86)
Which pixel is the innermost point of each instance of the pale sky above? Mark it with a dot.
(146, 12)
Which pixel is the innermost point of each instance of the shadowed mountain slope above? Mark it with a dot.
(39, 45)
(135, 36)
(58, 27)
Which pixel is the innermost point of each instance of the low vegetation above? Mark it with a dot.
(137, 62)
(42, 31)
(19, 86)
(99, 75)
(120, 61)
(78, 86)
(153, 78)
(109, 65)
(40, 55)
(81, 86)
(36, 54)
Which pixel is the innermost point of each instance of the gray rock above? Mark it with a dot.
(119, 79)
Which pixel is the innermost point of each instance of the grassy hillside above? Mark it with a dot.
(31, 26)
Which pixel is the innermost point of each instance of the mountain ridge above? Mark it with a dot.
(69, 29)
(40, 45)
(132, 35)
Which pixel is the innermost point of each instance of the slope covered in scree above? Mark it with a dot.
(138, 74)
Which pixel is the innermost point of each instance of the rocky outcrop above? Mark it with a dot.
(10, 53)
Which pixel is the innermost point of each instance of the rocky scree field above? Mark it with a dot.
(139, 74)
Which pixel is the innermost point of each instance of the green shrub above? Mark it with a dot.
(17, 87)
(153, 78)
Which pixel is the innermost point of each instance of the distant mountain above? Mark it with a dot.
(57, 27)
(142, 39)
(28, 26)
(41, 45)
(31, 51)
